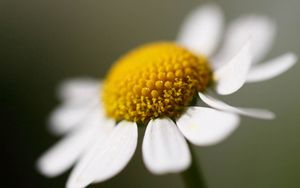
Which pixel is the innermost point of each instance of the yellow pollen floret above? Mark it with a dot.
(152, 81)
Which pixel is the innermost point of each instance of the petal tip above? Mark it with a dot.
(215, 125)
(201, 29)
(272, 68)
(293, 58)
(269, 116)
(45, 169)
(232, 76)
(164, 148)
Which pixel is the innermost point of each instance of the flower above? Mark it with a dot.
(154, 85)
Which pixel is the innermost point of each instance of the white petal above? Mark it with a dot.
(202, 29)
(206, 126)
(78, 90)
(70, 115)
(251, 112)
(232, 75)
(64, 154)
(107, 157)
(261, 29)
(164, 148)
(271, 68)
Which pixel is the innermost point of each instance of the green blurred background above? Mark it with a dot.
(44, 42)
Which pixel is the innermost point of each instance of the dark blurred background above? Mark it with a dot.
(45, 42)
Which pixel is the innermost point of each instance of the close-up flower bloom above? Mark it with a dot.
(159, 85)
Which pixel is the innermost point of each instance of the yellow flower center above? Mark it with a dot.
(154, 80)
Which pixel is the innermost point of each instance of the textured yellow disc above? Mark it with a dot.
(154, 80)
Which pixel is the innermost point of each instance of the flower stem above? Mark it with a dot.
(193, 177)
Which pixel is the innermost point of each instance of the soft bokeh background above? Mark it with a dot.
(44, 42)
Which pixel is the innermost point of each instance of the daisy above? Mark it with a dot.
(157, 86)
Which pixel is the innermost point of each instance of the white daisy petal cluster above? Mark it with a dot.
(100, 147)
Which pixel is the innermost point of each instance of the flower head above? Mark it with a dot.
(156, 86)
(155, 80)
